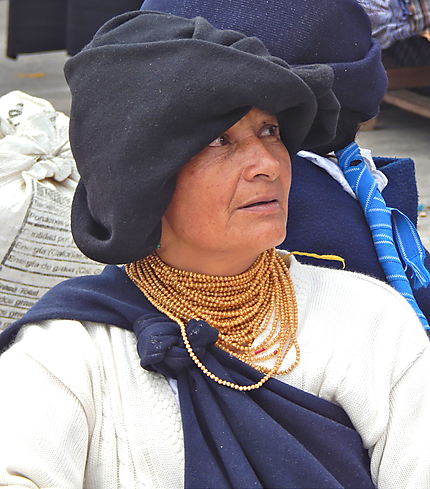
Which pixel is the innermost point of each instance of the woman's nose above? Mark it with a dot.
(259, 161)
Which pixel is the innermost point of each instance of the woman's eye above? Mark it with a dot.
(222, 140)
(271, 130)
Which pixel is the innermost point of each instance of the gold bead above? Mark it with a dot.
(241, 307)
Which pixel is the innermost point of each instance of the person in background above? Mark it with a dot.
(211, 359)
(358, 214)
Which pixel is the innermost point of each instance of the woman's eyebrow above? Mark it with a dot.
(273, 121)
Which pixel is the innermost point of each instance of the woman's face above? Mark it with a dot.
(233, 195)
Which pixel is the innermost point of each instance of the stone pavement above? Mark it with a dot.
(397, 133)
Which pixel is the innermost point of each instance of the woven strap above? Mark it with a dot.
(396, 240)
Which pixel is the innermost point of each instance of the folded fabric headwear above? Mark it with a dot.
(336, 32)
(149, 93)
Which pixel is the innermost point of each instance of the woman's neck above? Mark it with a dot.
(207, 262)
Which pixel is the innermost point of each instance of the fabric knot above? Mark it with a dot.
(160, 345)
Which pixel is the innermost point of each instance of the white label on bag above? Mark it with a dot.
(41, 255)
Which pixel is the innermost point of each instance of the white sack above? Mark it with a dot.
(37, 179)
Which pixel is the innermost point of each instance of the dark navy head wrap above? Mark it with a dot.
(149, 93)
(336, 32)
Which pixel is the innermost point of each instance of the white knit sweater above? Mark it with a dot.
(78, 411)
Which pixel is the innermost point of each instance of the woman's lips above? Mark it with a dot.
(262, 206)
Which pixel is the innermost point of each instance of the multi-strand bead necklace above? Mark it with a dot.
(259, 303)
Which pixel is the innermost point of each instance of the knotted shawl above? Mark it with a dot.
(274, 437)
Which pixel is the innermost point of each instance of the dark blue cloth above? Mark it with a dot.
(274, 437)
(304, 32)
(324, 219)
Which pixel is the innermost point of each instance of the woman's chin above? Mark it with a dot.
(265, 239)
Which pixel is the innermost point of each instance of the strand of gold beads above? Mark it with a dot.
(240, 307)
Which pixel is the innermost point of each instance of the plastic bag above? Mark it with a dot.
(37, 179)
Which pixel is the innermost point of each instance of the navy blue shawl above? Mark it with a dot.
(274, 437)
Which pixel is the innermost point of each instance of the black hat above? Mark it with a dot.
(333, 32)
(150, 92)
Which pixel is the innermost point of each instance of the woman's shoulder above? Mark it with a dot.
(57, 340)
(333, 280)
(355, 307)
(353, 330)
(70, 352)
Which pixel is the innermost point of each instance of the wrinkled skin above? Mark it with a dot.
(209, 226)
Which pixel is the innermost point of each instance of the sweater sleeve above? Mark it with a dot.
(44, 426)
(400, 458)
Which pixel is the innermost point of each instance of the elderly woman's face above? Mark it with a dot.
(234, 194)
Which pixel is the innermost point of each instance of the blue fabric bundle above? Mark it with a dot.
(274, 437)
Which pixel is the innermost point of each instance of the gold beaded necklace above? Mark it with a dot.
(259, 303)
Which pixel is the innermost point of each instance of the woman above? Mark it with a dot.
(328, 212)
(192, 193)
